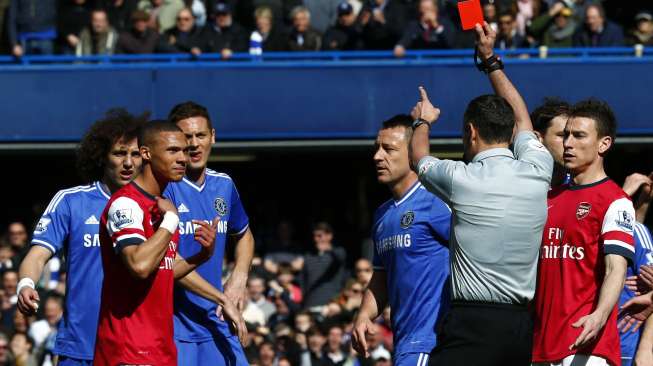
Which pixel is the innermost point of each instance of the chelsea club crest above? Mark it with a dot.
(407, 219)
(220, 206)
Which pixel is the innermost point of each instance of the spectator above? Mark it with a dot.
(302, 36)
(6, 256)
(313, 355)
(5, 355)
(223, 34)
(31, 31)
(43, 329)
(74, 15)
(183, 38)
(283, 310)
(303, 321)
(643, 33)
(383, 23)
(597, 30)
(324, 269)
(285, 284)
(256, 289)
(429, 32)
(18, 240)
(272, 36)
(267, 356)
(335, 353)
(508, 38)
(22, 347)
(346, 34)
(527, 10)
(286, 346)
(375, 346)
(98, 39)
(163, 13)
(4, 6)
(556, 27)
(140, 39)
(283, 249)
(21, 322)
(9, 284)
(323, 13)
(119, 12)
(490, 14)
(363, 271)
(198, 8)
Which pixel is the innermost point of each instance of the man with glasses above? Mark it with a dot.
(183, 37)
(411, 262)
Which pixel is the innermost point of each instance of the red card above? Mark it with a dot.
(471, 13)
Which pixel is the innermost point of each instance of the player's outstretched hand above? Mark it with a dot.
(424, 109)
(646, 276)
(205, 235)
(362, 326)
(28, 301)
(634, 181)
(165, 205)
(592, 325)
(235, 320)
(485, 38)
(634, 312)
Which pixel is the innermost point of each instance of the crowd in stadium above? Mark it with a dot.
(105, 27)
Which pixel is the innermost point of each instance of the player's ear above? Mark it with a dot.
(605, 143)
(539, 136)
(145, 153)
(213, 136)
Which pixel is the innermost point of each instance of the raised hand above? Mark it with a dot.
(635, 311)
(424, 109)
(205, 235)
(165, 205)
(485, 38)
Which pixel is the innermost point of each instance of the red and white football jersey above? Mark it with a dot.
(584, 224)
(136, 321)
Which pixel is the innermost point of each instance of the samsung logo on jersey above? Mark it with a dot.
(393, 242)
(91, 240)
(187, 227)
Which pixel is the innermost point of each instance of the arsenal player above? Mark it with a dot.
(138, 239)
(586, 244)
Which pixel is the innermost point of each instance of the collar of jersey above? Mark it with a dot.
(410, 192)
(192, 184)
(100, 187)
(575, 187)
(144, 192)
(490, 153)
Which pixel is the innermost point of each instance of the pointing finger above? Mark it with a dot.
(422, 94)
(215, 222)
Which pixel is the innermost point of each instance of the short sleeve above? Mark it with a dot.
(440, 220)
(238, 220)
(528, 148)
(617, 229)
(438, 176)
(643, 246)
(125, 223)
(53, 228)
(377, 262)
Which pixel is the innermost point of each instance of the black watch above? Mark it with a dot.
(420, 121)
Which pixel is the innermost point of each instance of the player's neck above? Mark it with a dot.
(592, 174)
(196, 176)
(149, 183)
(400, 188)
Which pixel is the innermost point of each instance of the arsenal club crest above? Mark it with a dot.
(407, 219)
(220, 206)
(583, 210)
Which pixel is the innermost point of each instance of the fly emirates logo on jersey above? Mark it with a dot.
(553, 247)
(168, 261)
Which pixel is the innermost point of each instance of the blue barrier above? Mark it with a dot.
(52, 99)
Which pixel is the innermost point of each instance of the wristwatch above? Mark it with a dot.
(420, 121)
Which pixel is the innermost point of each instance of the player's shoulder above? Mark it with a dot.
(381, 210)
(71, 195)
(217, 176)
(643, 234)
(432, 201)
(128, 195)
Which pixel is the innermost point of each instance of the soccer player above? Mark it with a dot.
(139, 239)
(201, 337)
(586, 245)
(107, 159)
(411, 262)
(549, 122)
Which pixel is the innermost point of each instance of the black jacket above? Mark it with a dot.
(384, 36)
(340, 37)
(418, 37)
(611, 36)
(307, 41)
(174, 41)
(214, 39)
(30, 16)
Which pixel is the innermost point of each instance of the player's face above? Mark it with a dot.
(391, 157)
(169, 156)
(123, 164)
(582, 144)
(554, 136)
(200, 138)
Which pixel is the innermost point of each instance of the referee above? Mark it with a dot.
(498, 203)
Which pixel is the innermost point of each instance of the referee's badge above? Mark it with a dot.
(407, 219)
(220, 206)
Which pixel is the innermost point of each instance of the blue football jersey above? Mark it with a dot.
(70, 226)
(216, 197)
(643, 255)
(409, 244)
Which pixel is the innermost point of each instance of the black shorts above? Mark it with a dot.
(484, 334)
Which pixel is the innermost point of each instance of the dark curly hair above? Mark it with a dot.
(117, 124)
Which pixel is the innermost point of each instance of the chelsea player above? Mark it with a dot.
(107, 158)
(201, 335)
(411, 262)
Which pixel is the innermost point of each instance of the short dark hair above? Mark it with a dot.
(323, 226)
(492, 116)
(600, 112)
(400, 120)
(93, 150)
(506, 13)
(187, 110)
(153, 128)
(545, 113)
